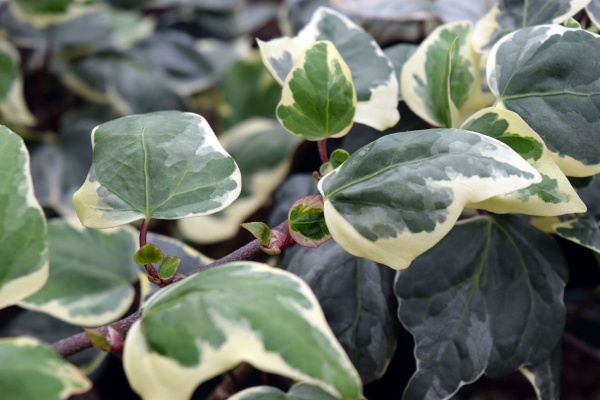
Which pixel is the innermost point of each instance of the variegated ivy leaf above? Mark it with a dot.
(12, 103)
(373, 74)
(584, 231)
(205, 325)
(399, 54)
(554, 195)
(536, 73)
(496, 304)
(545, 376)
(91, 274)
(509, 15)
(307, 222)
(262, 149)
(46, 12)
(23, 242)
(164, 165)
(300, 391)
(318, 99)
(440, 81)
(32, 371)
(593, 11)
(398, 196)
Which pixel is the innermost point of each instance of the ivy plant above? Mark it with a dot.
(433, 184)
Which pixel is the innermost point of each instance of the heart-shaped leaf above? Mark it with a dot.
(373, 74)
(23, 242)
(33, 371)
(318, 99)
(207, 324)
(496, 304)
(554, 195)
(398, 196)
(164, 165)
(536, 73)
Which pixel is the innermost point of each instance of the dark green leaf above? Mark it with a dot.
(148, 254)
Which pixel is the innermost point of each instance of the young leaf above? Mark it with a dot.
(358, 301)
(318, 99)
(337, 158)
(373, 74)
(307, 222)
(168, 267)
(536, 73)
(164, 165)
(509, 15)
(262, 149)
(12, 101)
(98, 339)
(259, 230)
(23, 242)
(148, 254)
(300, 391)
(91, 274)
(203, 326)
(584, 231)
(495, 305)
(33, 371)
(398, 196)
(440, 81)
(554, 195)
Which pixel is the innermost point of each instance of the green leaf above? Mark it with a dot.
(300, 391)
(318, 99)
(259, 230)
(440, 81)
(43, 13)
(33, 371)
(496, 304)
(148, 254)
(205, 325)
(373, 74)
(398, 196)
(45, 6)
(509, 15)
(98, 339)
(536, 73)
(554, 195)
(307, 222)
(168, 267)
(23, 242)
(358, 301)
(337, 158)
(545, 376)
(263, 151)
(584, 231)
(572, 23)
(91, 274)
(171, 166)
(12, 101)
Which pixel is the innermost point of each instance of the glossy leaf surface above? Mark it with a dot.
(536, 73)
(373, 74)
(207, 324)
(358, 301)
(318, 99)
(495, 305)
(554, 195)
(32, 371)
(164, 165)
(398, 196)
(91, 274)
(23, 242)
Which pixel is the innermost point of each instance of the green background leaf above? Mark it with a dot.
(300, 391)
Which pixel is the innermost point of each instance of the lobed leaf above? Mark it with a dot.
(510, 15)
(318, 99)
(536, 73)
(32, 371)
(91, 274)
(164, 165)
(440, 81)
(554, 195)
(23, 239)
(398, 196)
(205, 325)
(373, 74)
(496, 304)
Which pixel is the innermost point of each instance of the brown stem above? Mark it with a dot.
(231, 382)
(322, 145)
(144, 232)
(79, 342)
